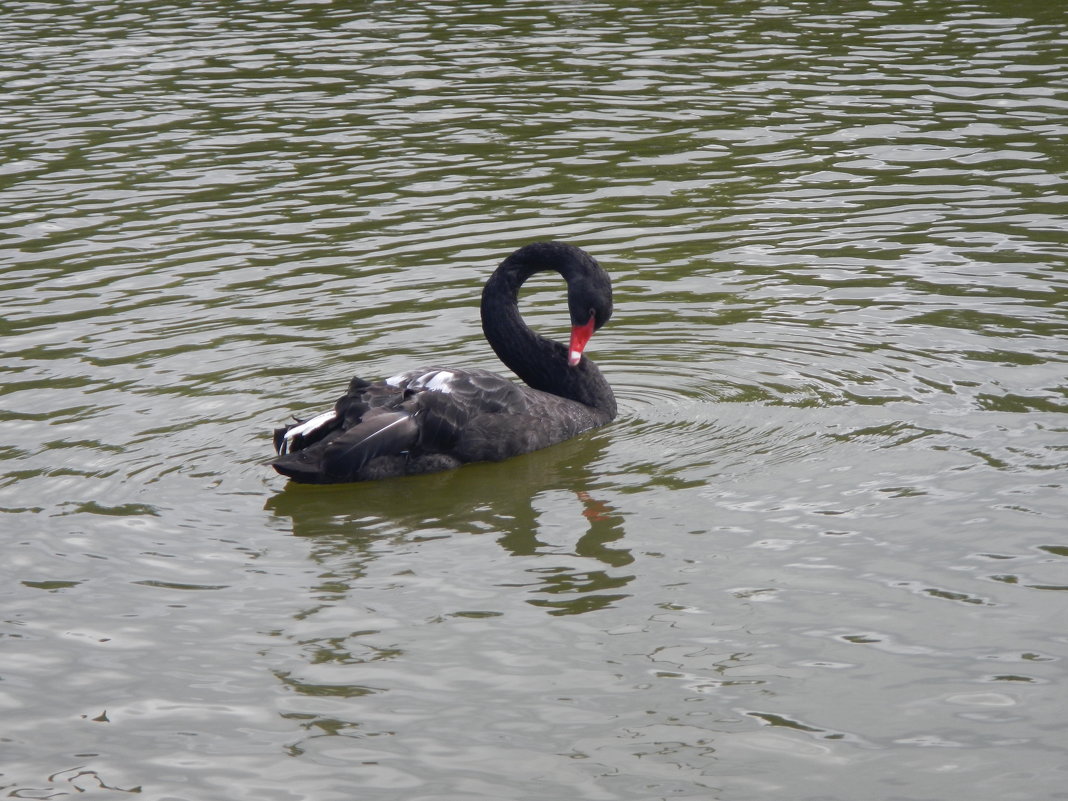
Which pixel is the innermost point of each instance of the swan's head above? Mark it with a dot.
(589, 300)
(589, 289)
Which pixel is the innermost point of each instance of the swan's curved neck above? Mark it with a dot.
(540, 362)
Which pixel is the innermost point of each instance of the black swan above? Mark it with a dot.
(437, 418)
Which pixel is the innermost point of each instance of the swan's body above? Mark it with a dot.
(437, 418)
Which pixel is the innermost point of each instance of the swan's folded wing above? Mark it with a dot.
(446, 403)
(474, 391)
(382, 434)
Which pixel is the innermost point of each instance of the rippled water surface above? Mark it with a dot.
(820, 556)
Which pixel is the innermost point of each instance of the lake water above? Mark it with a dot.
(820, 556)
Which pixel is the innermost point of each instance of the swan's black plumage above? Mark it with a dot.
(437, 418)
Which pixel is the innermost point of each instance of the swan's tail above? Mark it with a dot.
(346, 456)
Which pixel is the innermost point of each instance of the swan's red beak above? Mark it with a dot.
(580, 336)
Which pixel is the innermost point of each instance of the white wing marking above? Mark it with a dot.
(307, 427)
(432, 381)
(440, 382)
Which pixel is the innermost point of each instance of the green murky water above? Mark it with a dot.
(820, 556)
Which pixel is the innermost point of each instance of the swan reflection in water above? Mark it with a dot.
(348, 523)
